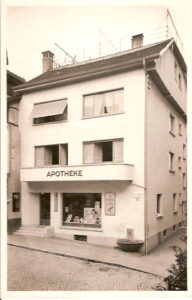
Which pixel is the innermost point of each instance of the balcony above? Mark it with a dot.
(101, 172)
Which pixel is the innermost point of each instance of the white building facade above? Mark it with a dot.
(103, 147)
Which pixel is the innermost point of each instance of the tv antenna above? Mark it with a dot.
(66, 53)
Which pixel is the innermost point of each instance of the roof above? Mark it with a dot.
(119, 61)
(15, 79)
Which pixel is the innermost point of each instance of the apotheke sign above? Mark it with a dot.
(65, 173)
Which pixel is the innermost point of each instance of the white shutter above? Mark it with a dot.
(88, 153)
(98, 153)
(63, 154)
(48, 156)
(39, 156)
(118, 150)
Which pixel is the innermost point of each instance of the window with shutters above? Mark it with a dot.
(103, 151)
(51, 155)
(104, 103)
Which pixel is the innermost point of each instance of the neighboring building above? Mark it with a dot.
(103, 146)
(13, 176)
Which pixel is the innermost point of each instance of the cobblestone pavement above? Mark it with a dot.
(36, 271)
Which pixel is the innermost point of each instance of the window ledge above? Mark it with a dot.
(104, 115)
(81, 228)
(159, 216)
(50, 123)
(172, 133)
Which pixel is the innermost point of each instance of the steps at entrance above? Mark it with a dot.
(32, 230)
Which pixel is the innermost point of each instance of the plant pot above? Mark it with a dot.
(129, 245)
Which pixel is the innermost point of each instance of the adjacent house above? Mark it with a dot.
(103, 146)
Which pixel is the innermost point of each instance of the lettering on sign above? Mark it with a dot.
(110, 204)
(65, 173)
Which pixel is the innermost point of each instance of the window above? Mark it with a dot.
(176, 71)
(105, 103)
(171, 162)
(174, 227)
(184, 151)
(180, 199)
(174, 203)
(103, 151)
(171, 124)
(159, 205)
(165, 233)
(51, 155)
(180, 129)
(16, 202)
(184, 180)
(180, 81)
(179, 162)
(51, 111)
(82, 209)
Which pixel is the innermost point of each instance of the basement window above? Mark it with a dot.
(103, 151)
(47, 112)
(51, 155)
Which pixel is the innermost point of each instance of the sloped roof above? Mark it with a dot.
(14, 78)
(93, 66)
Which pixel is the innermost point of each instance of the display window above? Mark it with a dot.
(82, 209)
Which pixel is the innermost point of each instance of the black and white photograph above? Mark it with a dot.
(94, 118)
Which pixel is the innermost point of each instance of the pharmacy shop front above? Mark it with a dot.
(80, 207)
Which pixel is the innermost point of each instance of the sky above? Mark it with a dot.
(33, 29)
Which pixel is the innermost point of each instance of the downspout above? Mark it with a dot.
(145, 163)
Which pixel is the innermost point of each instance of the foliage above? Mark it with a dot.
(177, 278)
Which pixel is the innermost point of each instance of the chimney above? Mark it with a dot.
(47, 60)
(137, 40)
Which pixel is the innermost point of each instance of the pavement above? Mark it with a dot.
(155, 263)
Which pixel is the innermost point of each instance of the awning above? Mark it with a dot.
(51, 108)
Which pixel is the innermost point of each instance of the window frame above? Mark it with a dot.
(103, 141)
(59, 156)
(159, 206)
(172, 124)
(102, 114)
(171, 162)
(175, 203)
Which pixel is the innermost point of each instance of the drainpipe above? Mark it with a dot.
(145, 162)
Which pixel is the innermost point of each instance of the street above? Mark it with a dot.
(36, 271)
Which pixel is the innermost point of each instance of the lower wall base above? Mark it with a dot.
(13, 225)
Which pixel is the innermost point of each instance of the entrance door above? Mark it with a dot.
(45, 209)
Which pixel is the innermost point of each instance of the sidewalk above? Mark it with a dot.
(156, 262)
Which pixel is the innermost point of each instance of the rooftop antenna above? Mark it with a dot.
(169, 17)
(109, 41)
(66, 53)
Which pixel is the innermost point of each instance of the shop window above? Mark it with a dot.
(52, 111)
(82, 209)
(51, 155)
(104, 103)
(171, 162)
(172, 124)
(103, 151)
(174, 203)
(159, 205)
(16, 202)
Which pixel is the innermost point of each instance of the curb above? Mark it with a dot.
(82, 258)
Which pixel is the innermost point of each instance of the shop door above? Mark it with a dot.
(45, 209)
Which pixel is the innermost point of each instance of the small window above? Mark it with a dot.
(180, 224)
(180, 129)
(105, 103)
(171, 162)
(159, 205)
(180, 81)
(184, 151)
(164, 232)
(51, 155)
(171, 124)
(16, 202)
(51, 111)
(174, 227)
(179, 162)
(184, 180)
(174, 203)
(103, 151)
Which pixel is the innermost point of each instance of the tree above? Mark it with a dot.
(177, 278)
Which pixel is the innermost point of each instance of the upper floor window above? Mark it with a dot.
(171, 124)
(51, 155)
(184, 151)
(51, 111)
(159, 205)
(180, 81)
(103, 151)
(176, 71)
(105, 103)
(174, 203)
(180, 129)
(171, 162)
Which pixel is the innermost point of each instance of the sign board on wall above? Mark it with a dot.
(110, 204)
